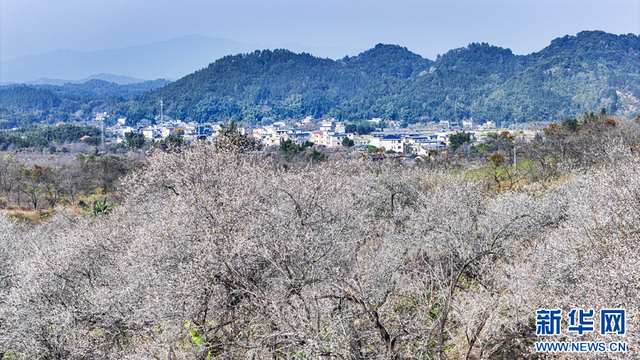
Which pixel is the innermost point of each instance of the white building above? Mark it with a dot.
(272, 134)
(149, 133)
(316, 137)
(332, 125)
(489, 125)
(442, 136)
(166, 131)
(123, 130)
(388, 142)
(298, 136)
(305, 121)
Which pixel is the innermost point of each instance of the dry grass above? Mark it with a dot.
(35, 216)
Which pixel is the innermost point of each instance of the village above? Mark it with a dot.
(330, 133)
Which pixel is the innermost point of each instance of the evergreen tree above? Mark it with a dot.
(134, 140)
(458, 139)
(347, 142)
(230, 139)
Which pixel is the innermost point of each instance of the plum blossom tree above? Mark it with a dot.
(217, 254)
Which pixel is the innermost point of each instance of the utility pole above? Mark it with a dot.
(161, 112)
(104, 118)
(515, 162)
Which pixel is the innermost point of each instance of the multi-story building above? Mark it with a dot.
(299, 136)
(332, 125)
(316, 137)
(149, 133)
(388, 142)
(166, 131)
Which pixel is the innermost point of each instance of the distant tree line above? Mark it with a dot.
(44, 136)
(53, 184)
(21, 105)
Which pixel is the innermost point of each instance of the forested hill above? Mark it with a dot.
(588, 71)
(21, 105)
(573, 74)
(282, 84)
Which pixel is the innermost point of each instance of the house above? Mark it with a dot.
(166, 131)
(332, 125)
(334, 140)
(422, 139)
(360, 142)
(271, 140)
(269, 135)
(149, 133)
(259, 134)
(316, 137)
(305, 121)
(331, 139)
(489, 125)
(400, 133)
(424, 147)
(388, 142)
(276, 129)
(443, 136)
(123, 130)
(298, 136)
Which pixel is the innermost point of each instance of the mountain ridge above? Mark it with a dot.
(116, 79)
(172, 59)
(573, 74)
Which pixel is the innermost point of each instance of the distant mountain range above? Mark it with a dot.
(171, 59)
(116, 79)
(573, 74)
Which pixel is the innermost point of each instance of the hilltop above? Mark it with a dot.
(574, 74)
(588, 71)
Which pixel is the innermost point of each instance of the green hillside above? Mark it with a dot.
(573, 74)
(21, 105)
(281, 84)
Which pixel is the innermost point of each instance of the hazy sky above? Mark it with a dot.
(427, 27)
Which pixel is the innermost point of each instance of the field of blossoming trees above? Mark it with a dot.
(217, 254)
